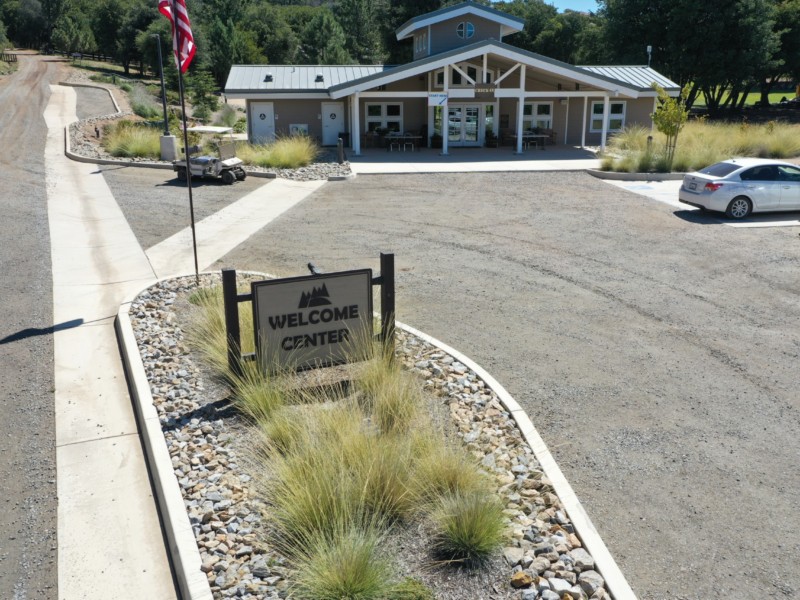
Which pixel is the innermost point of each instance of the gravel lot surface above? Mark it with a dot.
(27, 424)
(656, 351)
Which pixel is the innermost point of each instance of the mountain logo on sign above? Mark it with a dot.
(317, 297)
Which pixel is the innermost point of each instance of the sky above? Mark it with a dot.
(580, 5)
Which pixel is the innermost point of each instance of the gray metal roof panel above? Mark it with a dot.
(295, 78)
(637, 76)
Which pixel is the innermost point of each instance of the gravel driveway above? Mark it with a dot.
(656, 351)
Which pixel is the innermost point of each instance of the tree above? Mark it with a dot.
(3, 37)
(274, 36)
(670, 117)
(324, 40)
(537, 16)
(73, 33)
(718, 46)
(232, 45)
(361, 20)
(561, 36)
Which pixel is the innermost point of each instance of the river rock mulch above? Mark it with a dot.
(208, 442)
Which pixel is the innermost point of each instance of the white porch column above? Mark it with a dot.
(445, 117)
(520, 107)
(606, 107)
(583, 129)
(566, 122)
(356, 125)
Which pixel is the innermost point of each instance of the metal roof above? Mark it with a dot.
(639, 77)
(511, 23)
(582, 74)
(295, 78)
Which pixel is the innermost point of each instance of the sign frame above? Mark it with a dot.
(276, 302)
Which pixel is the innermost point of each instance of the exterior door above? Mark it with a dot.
(463, 124)
(262, 122)
(332, 122)
(763, 187)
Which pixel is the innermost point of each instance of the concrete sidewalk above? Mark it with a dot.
(110, 543)
(473, 160)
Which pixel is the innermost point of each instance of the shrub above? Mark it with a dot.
(143, 103)
(444, 469)
(701, 144)
(129, 140)
(409, 589)
(343, 567)
(283, 153)
(468, 528)
(227, 117)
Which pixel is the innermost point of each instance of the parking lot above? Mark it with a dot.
(654, 348)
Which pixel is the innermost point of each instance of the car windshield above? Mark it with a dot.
(720, 169)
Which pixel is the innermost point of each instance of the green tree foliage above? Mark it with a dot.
(716, 45)
(3, 36)
(361, 20)
(561, 38)
(324, 41)
(537, 15)
(670, 117)
(72, 31)
(232, 45)
(274, 36)
(25, 23)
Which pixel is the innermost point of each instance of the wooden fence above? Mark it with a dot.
(8, 57)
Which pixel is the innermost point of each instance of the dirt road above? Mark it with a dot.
(27, 439)
(656, 351)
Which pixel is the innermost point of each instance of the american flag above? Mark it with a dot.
(185, 53)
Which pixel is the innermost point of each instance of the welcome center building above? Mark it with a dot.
(464, 87)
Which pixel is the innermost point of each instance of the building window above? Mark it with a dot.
(385, 115)
(458, 80)
(465, 30)
(616, 117)
(537, 115)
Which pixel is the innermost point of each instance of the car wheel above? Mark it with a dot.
(182, 174)
(739, 208)
(228, 177)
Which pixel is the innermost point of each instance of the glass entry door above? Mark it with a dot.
(462, 124)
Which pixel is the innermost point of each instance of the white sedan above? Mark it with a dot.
(741, 186)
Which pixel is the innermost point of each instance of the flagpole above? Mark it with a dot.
(186, 143)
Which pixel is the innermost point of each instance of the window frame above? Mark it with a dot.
(530, 120)
(383, 120)
(597, 116)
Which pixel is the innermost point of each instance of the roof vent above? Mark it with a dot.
(319, 78)
(268, 78)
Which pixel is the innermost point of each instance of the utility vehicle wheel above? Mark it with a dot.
(228, 177)
(182, 174)
(241, 175)
(739, 208)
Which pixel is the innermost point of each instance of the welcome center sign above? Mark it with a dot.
(312, 321)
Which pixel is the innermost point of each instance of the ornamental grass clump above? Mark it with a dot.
(344, 566)
(283, 153)
(468, 528)
(143, 103)
(127, 139)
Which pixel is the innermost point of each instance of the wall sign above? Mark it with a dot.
(437, 99)
(485, 91)
(313, 321)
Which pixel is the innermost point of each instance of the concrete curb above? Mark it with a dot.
(604, 563)
(611, 175)
(183, 549)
